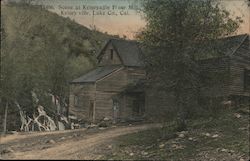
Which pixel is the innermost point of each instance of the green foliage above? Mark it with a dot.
(42, 52)
(230, 137)
(175, 37)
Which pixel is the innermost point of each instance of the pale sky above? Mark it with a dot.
(130, 23)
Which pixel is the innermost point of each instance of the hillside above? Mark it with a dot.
(41, 51)
(32, 21)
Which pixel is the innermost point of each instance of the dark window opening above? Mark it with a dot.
(91, 109)
(138, 106)
(247, 79)
(111, 54)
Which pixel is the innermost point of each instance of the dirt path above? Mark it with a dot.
(78, 144)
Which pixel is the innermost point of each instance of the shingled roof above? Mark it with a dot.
(96, 74)
(129, 52)
(232, 44)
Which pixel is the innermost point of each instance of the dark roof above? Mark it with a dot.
(96, 74)
(129, 52)
(227, 46)
(233, 43)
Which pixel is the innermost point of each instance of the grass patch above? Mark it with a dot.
(223, 137)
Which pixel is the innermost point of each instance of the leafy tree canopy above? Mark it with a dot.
(177, 34)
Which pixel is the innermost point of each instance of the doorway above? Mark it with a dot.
(138, 105)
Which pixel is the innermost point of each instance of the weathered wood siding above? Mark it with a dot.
(239, 61)
(110, 88)
(134, 74)
(85, 93)
(106, 89)
(215, 76)
(105, 58)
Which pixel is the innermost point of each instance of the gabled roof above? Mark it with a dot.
(233, 43)
(128, 51)
(96, 74)
(227, 46)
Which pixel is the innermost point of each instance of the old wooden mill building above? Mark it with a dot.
(113, 89)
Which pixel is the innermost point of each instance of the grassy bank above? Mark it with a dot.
(225, 137)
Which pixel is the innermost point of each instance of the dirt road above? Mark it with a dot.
(76, 144)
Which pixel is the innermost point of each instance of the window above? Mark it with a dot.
(247, 79)
(111, 54)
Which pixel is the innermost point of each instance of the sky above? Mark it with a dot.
(123, 17)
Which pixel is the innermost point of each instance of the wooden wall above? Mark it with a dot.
(103, 92)
(134, 74)
(215, 76)
(106, 89)
(239, 61)
(85, 92)
(105, 59)
(110, 88)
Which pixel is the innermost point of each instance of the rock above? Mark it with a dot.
(92, 126)
(144, 153)
(224, 150)
(131, 154)
(243, 128)
(106, 119)
(102, 128)
(207, 134)
(242, 159)
(51, 141)
(7, 150)
(130, 125)
(191, 139)
(161, 145)
(184, 132)
(215, 136)
(110, 146)
(63, 138)
(237, 115)
(175, 146)
(181, 135)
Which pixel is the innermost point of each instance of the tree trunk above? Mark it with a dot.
(181, 121)
(5, 118)
(181, 114)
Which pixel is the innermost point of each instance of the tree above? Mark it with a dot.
(176, 33)
(41, 56)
